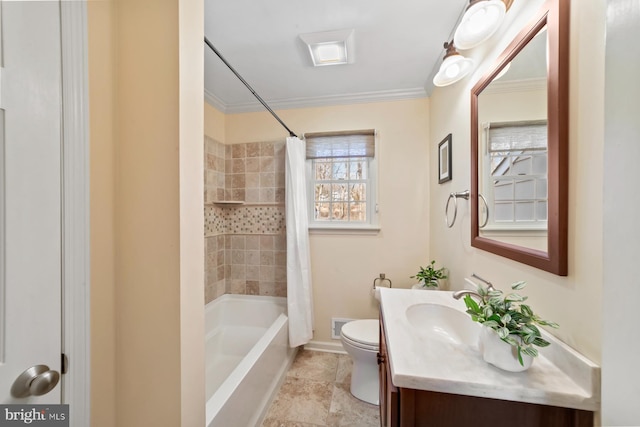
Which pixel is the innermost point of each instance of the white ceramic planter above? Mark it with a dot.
(500, 354)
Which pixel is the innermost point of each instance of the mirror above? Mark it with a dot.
(519, 146)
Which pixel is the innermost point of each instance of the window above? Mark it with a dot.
(341, 172)
(516, 188)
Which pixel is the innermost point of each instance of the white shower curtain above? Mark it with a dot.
(299, 294)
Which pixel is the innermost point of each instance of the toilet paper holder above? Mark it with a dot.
(379, 281)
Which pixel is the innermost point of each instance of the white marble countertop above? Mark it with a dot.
(559, 376)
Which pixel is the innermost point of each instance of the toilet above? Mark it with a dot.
(360, 339)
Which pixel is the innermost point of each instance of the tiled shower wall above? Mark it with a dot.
(245, 244)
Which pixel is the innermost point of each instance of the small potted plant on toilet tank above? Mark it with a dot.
(429, 276)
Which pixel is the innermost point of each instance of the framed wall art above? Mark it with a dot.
(444, 160)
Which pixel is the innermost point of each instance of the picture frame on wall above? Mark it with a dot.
(444, 160)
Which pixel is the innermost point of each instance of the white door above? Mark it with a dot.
(30, 196)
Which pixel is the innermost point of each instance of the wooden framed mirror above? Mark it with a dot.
(519, 146)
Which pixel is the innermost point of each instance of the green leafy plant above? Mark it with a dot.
(514, 322)
(429, 275)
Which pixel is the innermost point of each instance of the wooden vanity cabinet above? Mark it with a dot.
(402, 407)
(389, 396)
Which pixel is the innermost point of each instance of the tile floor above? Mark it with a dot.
(316, 393)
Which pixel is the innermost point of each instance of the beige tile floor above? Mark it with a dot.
(316, 393)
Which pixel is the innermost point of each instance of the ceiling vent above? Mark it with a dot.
(330, 47)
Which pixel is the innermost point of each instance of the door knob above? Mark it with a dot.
(35, 381)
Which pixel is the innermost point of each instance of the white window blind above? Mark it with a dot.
(518, 136)
(328, 145)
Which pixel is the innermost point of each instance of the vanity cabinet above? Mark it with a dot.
(389, 396)
(405, 407)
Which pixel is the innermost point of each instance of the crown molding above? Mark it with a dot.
(319, 101)
(214, 101)
(523, 85)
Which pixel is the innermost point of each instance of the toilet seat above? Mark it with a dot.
(362, 333)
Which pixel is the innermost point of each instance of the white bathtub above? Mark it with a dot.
(247, 356)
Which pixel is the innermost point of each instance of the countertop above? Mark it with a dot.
(559, 376)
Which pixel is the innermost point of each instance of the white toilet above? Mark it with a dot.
(360, 339)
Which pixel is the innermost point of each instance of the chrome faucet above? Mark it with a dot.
(486, 282)
(460, 294)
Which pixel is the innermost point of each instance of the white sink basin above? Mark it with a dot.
(443, 323)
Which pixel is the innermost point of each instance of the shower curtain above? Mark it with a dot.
(299, 295)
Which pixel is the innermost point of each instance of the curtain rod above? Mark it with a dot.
(248, 86)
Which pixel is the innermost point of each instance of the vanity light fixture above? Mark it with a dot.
(330, 47)
(481, 19)
(453, 68)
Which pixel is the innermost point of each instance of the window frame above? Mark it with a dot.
(514, 228)
(371, 225)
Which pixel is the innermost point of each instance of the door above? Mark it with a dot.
(30, 197)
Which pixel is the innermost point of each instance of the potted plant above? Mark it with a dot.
(507, 320)
(428, 276)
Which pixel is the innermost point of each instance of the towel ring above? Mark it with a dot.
(454, 196)
(486, 205)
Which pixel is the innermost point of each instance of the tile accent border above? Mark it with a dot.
(266, 219)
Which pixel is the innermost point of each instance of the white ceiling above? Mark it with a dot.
(398, 44)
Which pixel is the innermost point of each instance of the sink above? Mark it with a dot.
(443, 323)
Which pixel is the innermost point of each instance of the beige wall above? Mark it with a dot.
(214, 123)
(512, 106)
(146, 212)
(100, 18)
(573, 301)
(344, 266)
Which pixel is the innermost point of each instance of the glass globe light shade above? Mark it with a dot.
(480, 21)
(453, 68)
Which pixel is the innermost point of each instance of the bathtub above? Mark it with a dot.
(247, 356)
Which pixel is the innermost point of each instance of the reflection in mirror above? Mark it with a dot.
(512, 157)
(519, 140)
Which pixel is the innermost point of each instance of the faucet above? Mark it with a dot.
(486, 282)
(460, 294)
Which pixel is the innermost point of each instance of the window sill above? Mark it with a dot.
(513, 232)
(345, 229)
